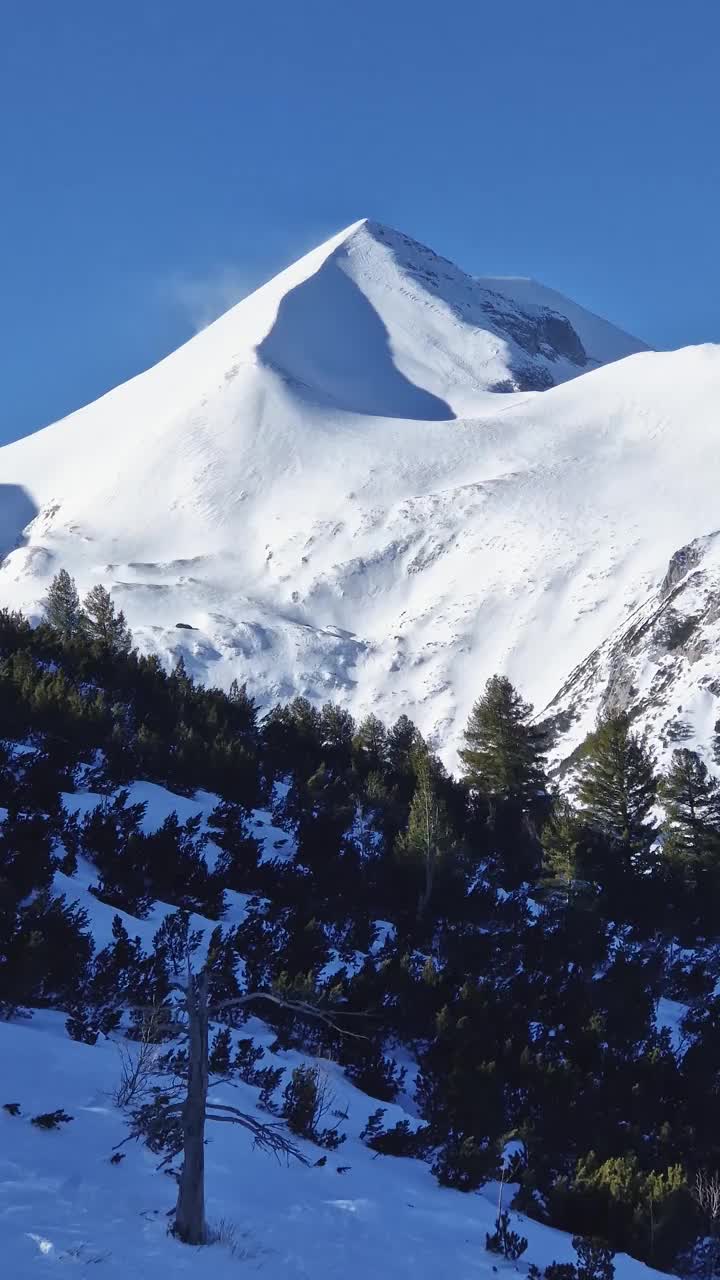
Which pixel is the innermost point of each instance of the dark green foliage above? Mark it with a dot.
(691, 829)
(45, 948)
(157, 1126)
(503, 752)
(594, 1260)
(80, 1026)
(267, 1080)
(239, 851)
(465, 1164)
(401, 1140)
(103, 627)
(112, 839)
(565, 853)
(245, 1062)
(12, 1108)
(308, 1099)
(617, 789)
(373, 1072)
(504, 1240)
(560, 1271)
(51, 1119)
(373, 1125)
(426, 845)
(370, 746)
(644, 1212)
(61, 606)
(219, 1062)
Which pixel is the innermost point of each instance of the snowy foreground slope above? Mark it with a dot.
(353, 486)
(63, 1203)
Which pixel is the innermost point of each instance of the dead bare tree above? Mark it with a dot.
(192, 1014)
(138, 1066)
(706, 1193)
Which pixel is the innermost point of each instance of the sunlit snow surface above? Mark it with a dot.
(325, 487)
(63, 1203)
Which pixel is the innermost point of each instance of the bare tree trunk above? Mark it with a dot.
(501, 1188)
(190, 1224)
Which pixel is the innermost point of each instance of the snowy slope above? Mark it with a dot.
(324, 486)
(63, 1202)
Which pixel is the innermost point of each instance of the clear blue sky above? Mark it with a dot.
(160, 156)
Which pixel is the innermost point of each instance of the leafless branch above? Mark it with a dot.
(302, 1007)
(707, 1194)
(268, 1137)
(138, 1066)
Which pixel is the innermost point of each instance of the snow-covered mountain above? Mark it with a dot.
(352, 486)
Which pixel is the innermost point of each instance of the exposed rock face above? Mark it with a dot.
(538, 331)
(684, 559)
(556, 334)
(661, 666)
(619, 689)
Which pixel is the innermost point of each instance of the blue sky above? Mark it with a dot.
(162, 157)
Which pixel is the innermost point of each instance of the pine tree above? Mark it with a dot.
(104, 627)
(402, 740)
(691, 797)
(427, 841)
(337, 729)
(503, 752)
(370, 745)
(617, 787)
(61, 606)
(562, 837)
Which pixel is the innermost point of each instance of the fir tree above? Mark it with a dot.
(562, 841)
(617, 788)
(503, 752)
(61, 606)
(104, 627)
(337, 729)
(370, 745)
(402, 740)
(691, 797)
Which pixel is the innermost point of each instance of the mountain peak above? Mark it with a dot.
(348, 486)
(375, 322)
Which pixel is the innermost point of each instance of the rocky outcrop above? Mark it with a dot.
(683, 560)
(660, 666)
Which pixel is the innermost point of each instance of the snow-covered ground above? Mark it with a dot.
(324, 489)
(62, 1203)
